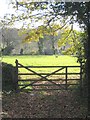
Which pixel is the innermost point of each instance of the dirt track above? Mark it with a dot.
(56, 104)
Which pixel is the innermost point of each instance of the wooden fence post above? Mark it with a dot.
(16, 76)
(66, 77)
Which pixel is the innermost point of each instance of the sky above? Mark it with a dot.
(5, 8)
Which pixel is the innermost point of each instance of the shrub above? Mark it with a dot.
(7, 50)
(7, 77)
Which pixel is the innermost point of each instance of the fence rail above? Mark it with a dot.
(51, 80)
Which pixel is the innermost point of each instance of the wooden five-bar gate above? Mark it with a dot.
(57, 77)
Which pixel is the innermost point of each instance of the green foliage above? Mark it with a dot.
(82, 48)
(7, 50)
(76, 42)
(38, 33)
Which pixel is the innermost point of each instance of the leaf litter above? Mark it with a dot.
(44, 104)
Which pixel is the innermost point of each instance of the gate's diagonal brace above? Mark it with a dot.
(40, 74)
(54, 72)
(31, 70)
(44, 77)
(52, 82)
(36, 81)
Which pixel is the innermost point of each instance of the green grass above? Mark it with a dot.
(42, 60)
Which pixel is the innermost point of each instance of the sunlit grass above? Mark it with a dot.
(42, 60)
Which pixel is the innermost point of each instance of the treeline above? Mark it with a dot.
(12, 44)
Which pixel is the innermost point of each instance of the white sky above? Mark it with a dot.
(5, 8)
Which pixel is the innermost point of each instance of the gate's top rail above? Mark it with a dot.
(46, 66)
(19, 66)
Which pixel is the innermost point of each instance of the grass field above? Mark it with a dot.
(42, 60)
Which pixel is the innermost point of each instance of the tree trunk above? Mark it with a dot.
(88, 67)
(53, 47)
(88, 55)
(40, 46)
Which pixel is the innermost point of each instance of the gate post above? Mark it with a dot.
(16, 76)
